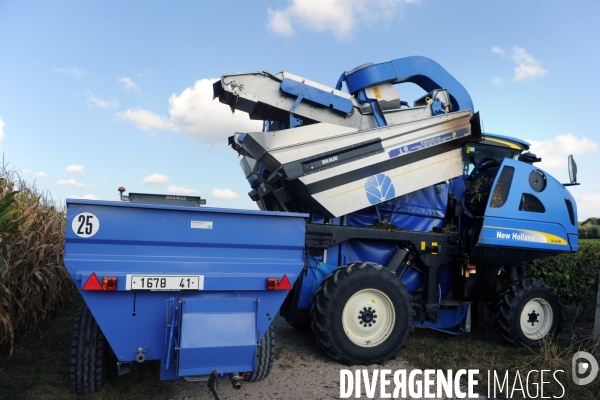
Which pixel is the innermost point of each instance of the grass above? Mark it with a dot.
(435, 350)
(39, 368)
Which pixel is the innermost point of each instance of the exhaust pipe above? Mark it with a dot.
(236, 380)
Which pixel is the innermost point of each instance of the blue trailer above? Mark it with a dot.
(196, 288)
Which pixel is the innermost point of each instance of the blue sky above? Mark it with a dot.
(95, 95)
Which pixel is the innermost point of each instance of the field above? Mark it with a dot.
(34, 288)
(39, 367)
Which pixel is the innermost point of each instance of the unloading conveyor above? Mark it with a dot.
(338, 152)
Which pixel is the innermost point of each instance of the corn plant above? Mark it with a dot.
(33, 281)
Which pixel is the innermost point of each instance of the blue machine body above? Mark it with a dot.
(421, 211)
(506, 230)
(422, 71)
(530, 217)
(193, 332)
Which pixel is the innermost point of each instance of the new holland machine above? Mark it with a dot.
(414, 211)
(377, 216)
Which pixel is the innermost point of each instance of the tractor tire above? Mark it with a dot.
(87, 373)
(362, 314)
(527, 312)
(265, 354)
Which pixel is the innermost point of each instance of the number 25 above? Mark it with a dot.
(85, 220)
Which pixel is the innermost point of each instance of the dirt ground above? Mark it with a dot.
(301, 371)
(40, 365)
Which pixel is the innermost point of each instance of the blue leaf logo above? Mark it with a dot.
(379, 188)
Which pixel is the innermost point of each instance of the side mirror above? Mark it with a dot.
(572, 172)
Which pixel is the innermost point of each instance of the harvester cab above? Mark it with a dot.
(516, 204)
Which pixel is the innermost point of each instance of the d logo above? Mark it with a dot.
(581, 368)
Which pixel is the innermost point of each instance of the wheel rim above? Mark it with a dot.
(536, 319)
(368, 318)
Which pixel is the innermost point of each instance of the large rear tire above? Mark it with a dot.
(362, 314)
(528, 311)
(265, 354)
(87, 371)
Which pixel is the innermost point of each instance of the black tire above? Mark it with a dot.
(524, 303)
(265, 354)
(354, 285)
(87, 372)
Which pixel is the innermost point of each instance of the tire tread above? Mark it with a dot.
(87, 367)
(507, 313)
(324, 297)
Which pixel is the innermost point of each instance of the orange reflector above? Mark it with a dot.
(272, 283)
(92, 283)
(109, 283)
(285, 283)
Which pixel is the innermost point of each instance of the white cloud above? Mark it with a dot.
(41, 174)
(26, 171)
(587, 206)
(76, 73)
(181, 190)
(225, 194)
(69, 182)
(147, 120)
(554, 152)
(128, 83)
(101, 103)
(89, 196)
(341, 17)
(498, 51)
(74, 169)
(194, 112)
(155, 179)
(497, 81)
(527, 66)
(252, 206)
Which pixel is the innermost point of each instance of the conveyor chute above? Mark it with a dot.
(329, 150)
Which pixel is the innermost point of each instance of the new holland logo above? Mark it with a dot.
(379, 188)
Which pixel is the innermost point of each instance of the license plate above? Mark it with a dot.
(166, 282)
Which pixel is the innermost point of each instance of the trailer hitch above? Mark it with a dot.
(212, 382)
(141, 357)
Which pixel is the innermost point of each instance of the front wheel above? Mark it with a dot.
(528, 311)
(362, 314)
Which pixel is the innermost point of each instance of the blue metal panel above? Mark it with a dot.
(421, 71)
(316, 95)
(375, 108)
(448, 319)
(236, 256)
(218, 334)
(574, 242)
(511, 227)
(371, 75)
(315, 273)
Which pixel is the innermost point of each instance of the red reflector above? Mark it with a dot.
(109, 283)
(92, 283)
(272, 283)
(285, 283)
